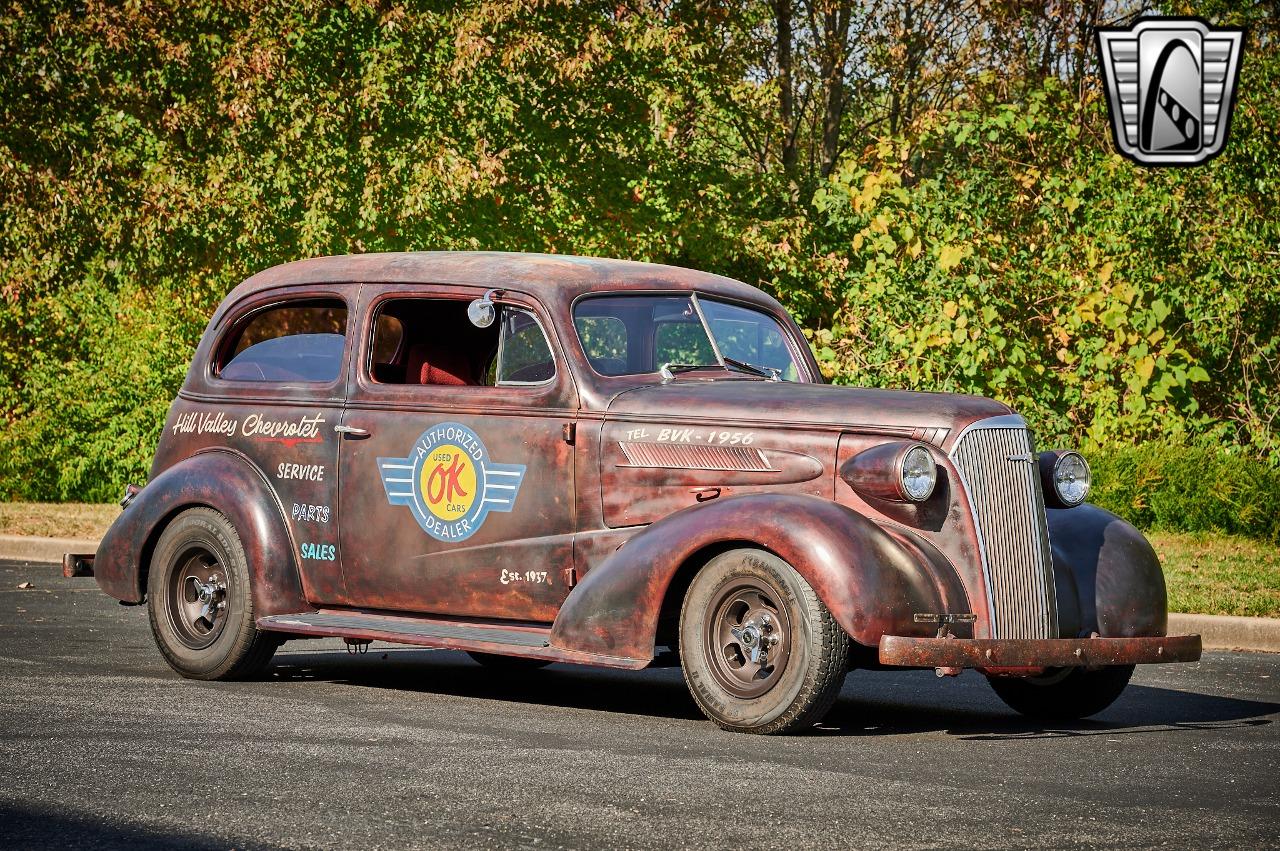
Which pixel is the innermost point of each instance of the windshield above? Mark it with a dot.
(639, 334)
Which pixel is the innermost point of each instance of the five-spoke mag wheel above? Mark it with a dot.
(748, 638)
(760, 652)
(199, 599)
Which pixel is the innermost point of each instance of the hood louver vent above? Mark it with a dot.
(683, 456)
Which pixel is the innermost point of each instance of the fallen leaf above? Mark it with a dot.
(26, 585)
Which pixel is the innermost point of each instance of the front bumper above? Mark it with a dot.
(908, 652)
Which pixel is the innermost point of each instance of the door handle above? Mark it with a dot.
(351, 431)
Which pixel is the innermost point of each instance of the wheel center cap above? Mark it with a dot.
(757, 635)
(209, 596)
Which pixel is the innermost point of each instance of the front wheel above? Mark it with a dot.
(1065, 694)
(760, 652)
(201, 608)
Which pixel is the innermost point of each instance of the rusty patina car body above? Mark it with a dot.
(568, 513)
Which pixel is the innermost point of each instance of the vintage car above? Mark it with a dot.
(542, 459)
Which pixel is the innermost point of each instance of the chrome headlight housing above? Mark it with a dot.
(899, 471)
(1065, 477)
(918, 473)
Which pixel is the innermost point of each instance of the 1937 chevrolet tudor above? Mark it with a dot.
(555, 459)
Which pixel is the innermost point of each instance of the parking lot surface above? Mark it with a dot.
(101, 745)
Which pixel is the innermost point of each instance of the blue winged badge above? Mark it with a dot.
(449, 483)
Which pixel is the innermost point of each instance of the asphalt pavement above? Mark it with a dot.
(101, 745)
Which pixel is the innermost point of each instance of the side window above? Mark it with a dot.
(430, 341)
(388, 334)
(524, 356)
(300, 341)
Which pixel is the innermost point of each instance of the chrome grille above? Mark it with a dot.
(997, 463)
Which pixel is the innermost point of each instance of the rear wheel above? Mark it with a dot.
(1065, 694)
(760, 652)
(201, 608)
(500, 662)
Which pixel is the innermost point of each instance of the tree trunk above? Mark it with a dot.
(835, 31)
(786, 93)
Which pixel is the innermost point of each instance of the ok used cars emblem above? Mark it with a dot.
(449, 483)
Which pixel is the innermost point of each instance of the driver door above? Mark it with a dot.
(456, 480)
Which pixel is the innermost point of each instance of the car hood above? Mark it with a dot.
(781, 403)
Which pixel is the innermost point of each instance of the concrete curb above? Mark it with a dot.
(25, 548)
(1222, 632)
(1219, 632)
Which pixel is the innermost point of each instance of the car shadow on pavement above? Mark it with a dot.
(41, 827)
(879, 703)
(1141, 709)
(658, 692)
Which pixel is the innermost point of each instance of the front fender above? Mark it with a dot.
(227, 482)
(871, 580)
(1107, 576)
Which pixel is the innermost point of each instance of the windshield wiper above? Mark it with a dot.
(669, 371)
(750, 368)
(724, 360)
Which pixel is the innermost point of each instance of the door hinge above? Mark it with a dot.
(569, 432)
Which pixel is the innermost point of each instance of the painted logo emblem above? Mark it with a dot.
(448, 482)
(1171, 84)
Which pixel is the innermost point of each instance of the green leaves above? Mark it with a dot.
(950, 256)
(154, 154)
(1090, 302)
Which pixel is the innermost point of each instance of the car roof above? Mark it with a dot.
(552, 278)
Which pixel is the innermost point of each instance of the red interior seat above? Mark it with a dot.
(425, 364)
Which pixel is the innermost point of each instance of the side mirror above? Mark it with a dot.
(482, 311)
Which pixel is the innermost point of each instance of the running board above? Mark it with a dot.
(528, 641)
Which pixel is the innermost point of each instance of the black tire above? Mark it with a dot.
(1065, 694)
(746, 599)
(199, 553)
(500, 662)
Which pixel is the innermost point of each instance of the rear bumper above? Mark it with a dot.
(1035, 653)
(77, 564)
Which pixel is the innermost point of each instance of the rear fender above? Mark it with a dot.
(227, 482)
(871, 580)
(1107, 576)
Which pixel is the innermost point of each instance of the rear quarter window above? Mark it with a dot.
(301, 341)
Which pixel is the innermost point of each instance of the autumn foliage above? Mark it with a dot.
(930, 187)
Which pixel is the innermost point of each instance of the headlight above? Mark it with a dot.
(1065, 477)
(899, 471)
(919, 474)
